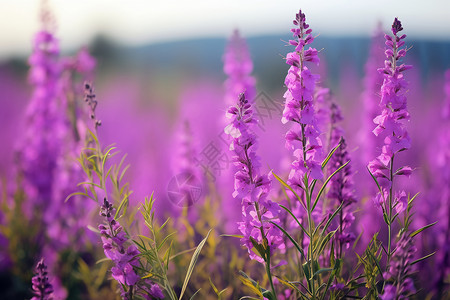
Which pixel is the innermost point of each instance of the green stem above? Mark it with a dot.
(391, 178)
(269, 274)
(311, 237)
(162, 271)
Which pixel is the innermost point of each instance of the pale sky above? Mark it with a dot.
(136, 22)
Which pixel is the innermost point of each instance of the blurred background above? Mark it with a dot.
(160, 63)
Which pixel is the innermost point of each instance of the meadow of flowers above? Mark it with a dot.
(311, 203)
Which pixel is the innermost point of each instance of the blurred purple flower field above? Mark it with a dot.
(273, 167)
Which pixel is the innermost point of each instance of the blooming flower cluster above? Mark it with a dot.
(42, 288)
(400, 271)
(40, 145)
(238, 66)
(391, 121)
(251, 188)
(341, 184)
(125, 258)
(186, 166)
(299, 105)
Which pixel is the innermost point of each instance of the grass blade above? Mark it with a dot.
(192, 264)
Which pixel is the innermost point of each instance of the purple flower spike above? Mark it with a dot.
(40, 144)
(391, 122)
(155, 292)
(396, 26)
(238, 66)
(251, 188)
(400, 270)
(124, 257)
(42, 289)
(299, 106)
(341, 185)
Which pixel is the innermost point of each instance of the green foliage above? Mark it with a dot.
(371, 264)
(318, 278)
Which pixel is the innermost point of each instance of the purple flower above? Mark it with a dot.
(336, 287)
(299, 106)
(124, 257)
(251, 188)
(41, 144)
(389, 292)
(391, 122)
(341, 185)
(155, 291)
(42, 289)
(186, 164)
(238, 66)
(400, 270)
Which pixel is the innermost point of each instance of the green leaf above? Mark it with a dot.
(412, 199)
(166, 256)
(297, 246)
(162, 226)
(149, 275)
(307, 272)
(75, 194)
(192, 297)
(94, 137)
(386, 219)
(372, 256)
(250, 283)
(295, 218)
(181, 253)
(324, 241)
(165, 240)
(102, 260)
(376, 181)
(326, 182)
(289, 188)
(93, 229)
(105, 156)
(269, 295)
(232, 235)
(327, 159)
(123, 204)
(123, 172)
(336, 268)
(331, 218)
(214, 287)
(422, 258)
(192, 264)
(422, 229)
(146, 237)
(321, 271)
(90, 183)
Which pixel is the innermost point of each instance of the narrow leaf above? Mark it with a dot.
(194, 294)
(321, 271)
(422, 229)
(422, 258)
(292, 240)
(327, 159)
(192, 264)
(326, 182)
(289, 188)
(295, 218)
